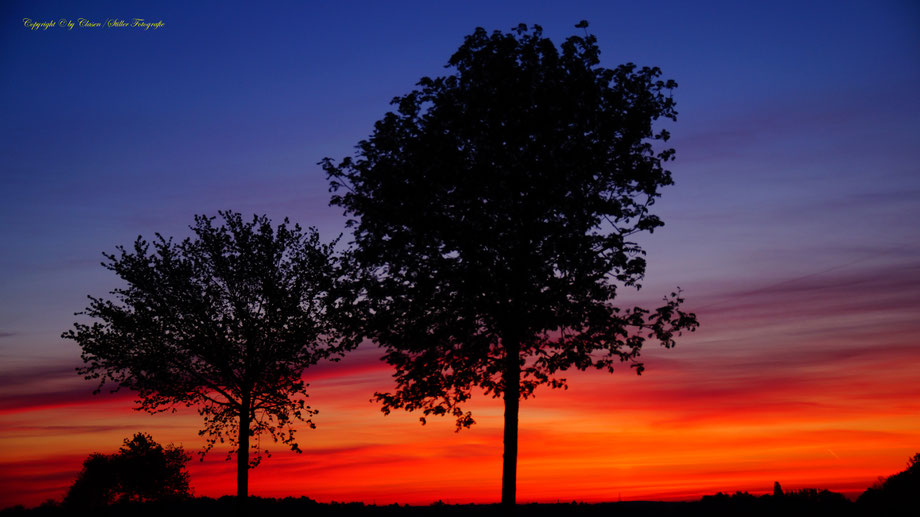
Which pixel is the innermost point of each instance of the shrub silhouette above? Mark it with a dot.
(142, 470)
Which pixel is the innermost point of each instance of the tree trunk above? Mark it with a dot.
(512, 393)
(242, 455)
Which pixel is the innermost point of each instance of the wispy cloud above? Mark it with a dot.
(36, 374)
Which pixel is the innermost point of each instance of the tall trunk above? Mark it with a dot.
(512, 394)
(242, 455)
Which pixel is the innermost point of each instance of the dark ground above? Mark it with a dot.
(814, 504)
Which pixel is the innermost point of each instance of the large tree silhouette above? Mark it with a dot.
(493, 214)
(226, 321)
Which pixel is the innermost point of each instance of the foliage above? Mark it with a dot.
(493, 215)
(497, 205)
(896, 494)
(97, 484)
(226, 321)
(142, 470)
(804, 502)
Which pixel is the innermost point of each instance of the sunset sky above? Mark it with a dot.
(793, 229)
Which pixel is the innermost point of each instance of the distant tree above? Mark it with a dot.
(142, 470)
(97, 484)
(815, 496)
(898, 494)
(493, 214)
(149, 472)
(226, 321)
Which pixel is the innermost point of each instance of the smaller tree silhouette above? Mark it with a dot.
(149, 472)
(226, 320)
(142, 470)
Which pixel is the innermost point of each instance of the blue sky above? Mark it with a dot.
(797, 136)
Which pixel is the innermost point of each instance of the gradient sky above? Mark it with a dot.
(794, 229)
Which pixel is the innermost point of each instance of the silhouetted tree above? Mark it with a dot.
(898, 494)
(142, 470)
(493, 214)
(228, 321)
(777, 489)
(149, 472)
(96, 484)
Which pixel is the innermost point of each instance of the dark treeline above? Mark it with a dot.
(806, 502)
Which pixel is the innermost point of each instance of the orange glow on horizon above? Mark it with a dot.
(670, 434)
(769, 391)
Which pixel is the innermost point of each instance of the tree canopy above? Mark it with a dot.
(494, 214)
(141, 471)
(898, 494)
(226, 321)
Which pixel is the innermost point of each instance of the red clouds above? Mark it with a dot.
(810, 382)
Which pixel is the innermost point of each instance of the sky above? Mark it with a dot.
(792, 229)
